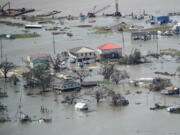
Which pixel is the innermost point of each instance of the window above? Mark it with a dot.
(90, 54)
(82, 54)
(85, 54)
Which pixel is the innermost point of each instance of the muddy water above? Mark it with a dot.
(104, 120)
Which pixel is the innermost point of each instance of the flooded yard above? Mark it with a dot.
(102, 118)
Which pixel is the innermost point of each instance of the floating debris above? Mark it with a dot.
(157, 107)
(49, 13)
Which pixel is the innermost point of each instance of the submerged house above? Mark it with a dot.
(172, 90)
(65, 85)
(110, 50)
(39, 60)
(82, 54)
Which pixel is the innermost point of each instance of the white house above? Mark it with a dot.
(82, 54)
(110, 50)
(176, 28)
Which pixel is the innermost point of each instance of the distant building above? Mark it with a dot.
(176, 28)
(39, 60)
(161, 19)
(110, 50)
(82, 54)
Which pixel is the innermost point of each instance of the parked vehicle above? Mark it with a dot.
(81, 106)
(174, 109)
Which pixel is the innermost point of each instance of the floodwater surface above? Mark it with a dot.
(134, 119)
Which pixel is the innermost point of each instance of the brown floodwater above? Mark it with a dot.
(134, 119)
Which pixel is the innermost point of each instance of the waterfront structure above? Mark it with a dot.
(110, 50)
(66, 85)
(82, 54)
(139, 35)
(161, 19)
(39, 60)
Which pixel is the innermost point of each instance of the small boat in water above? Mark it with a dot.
(171, 90)
(31, 26)
(81, 106)
(25, 118)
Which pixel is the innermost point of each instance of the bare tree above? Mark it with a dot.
(43, 78)
(82, 74)
(14, 79)
(118, 100)
(38, 78)
(107, 71)
(119, 75)
(98, 96)
(29, 78)
(58, 61)
(5, 67)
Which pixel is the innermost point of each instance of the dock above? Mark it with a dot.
(144, 35)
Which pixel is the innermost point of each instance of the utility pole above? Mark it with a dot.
(157, 46)
(54, 45)
(123, 42)
(1, 50)
(116, 5)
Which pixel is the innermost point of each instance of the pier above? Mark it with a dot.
(144, 35)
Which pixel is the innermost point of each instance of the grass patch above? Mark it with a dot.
(38, 19)
(18, 36)
(161, 28)
(12, 24)
(171, 52)
(102, 30)
(2, 17)
(21, 70)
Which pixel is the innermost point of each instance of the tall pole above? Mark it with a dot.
(1, 50)
(116, 5)
(54, 45)
(123, 42)
(157, 46)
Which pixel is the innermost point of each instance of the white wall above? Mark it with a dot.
(111, 51)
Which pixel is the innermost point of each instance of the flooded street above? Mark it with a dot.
(102, 119)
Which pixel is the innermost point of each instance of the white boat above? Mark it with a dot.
(25, 118)
(81, 106)
(174, 109)
(37, 26)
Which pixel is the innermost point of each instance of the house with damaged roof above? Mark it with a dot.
(82, 54)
